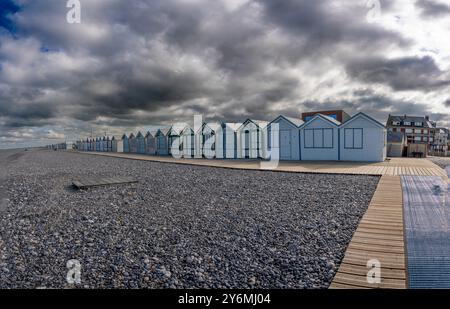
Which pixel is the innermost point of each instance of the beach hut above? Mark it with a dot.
(162, 142)
(150, 142)
(113, 144)
(319, 139)
(205, 141)
(116, 144)
(133, 143)
(252, 139)
(226, 140)
(284, 140)
(98, 143)
(105, 143)
(363, 138)
(126, 143)
(109, 140)
(188, 142)
(140, 139)
(175, 140)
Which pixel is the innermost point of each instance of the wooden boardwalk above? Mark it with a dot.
(393, 167)
(379, 236)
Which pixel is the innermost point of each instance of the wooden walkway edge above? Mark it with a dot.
(379, 236)
(393, 167)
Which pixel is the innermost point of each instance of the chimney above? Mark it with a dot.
(427, 118)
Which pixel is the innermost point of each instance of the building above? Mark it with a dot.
(150, 142)
(226, 140)
(188, 142)
(206, 140)
(284, 141)
(126, 143)
(438, 142)
(252, 139)
(417, 130)
(175, 140)
(98, 143)
(339, 115)
(396, 144)
(162, 141)
(362, 138)
(319, 139)
(140, 141)
(133, 143)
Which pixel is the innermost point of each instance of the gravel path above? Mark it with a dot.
(181, 227)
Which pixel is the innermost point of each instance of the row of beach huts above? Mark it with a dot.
(359, 138)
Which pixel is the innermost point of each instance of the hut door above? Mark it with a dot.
(247, 144)
(285, 145)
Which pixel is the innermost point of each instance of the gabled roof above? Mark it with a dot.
(125, 136)
(412, 119)
(234, 126)
(363, 115)
(214, 126)
(294, 121)
(139, 135)
(163, 131)
(151, 132)
(177, 128)
(323, 117)
(187, 128)
(132, 136)
(260, 123)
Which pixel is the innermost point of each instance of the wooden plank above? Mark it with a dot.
(379, 236)
(95, 181)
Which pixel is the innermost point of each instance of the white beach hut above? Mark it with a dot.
(98, 143)
(188, 142)
(284, 140)
(319, 139)
(116, 145)
(206, 140)
(133, 143)
(226, 140)
(125, 143)
(174, 139)
(162, 141)
(140, 139)
(150, 142)
(363, 138)
(104, 144)
(252, 139)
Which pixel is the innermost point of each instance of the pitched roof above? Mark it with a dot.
(260, 123)
(426, 123)
(295, 121)
(178, 127)
(361, 114)
(326, 118)
(214, 126)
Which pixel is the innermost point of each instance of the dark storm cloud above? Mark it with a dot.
(431, 8)
(135, 63)
(408, 73)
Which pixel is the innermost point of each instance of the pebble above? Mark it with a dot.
(183, 226)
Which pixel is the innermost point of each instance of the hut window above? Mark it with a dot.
(353, 138)
(318, 138)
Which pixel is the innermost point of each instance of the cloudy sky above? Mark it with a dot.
(132, 64)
